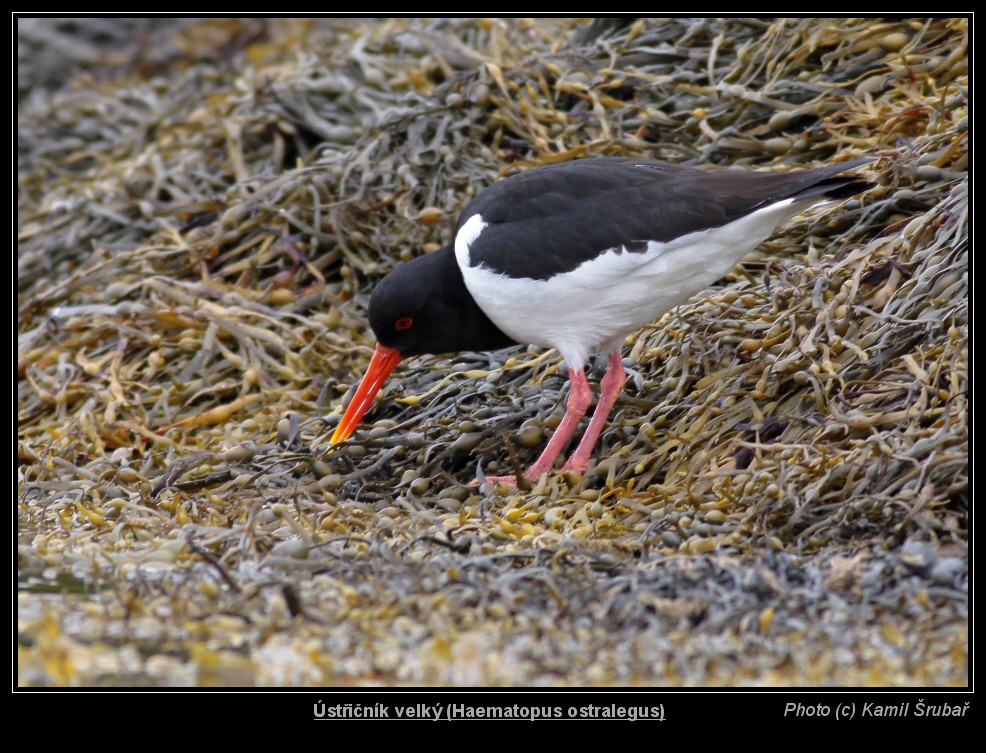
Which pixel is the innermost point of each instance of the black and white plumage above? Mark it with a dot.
(576, 256)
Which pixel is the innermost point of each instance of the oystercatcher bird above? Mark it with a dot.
(576, 256)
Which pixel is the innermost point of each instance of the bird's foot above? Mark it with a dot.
(512, 480)
(572, 473)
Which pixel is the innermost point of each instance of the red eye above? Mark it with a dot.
(404, 322)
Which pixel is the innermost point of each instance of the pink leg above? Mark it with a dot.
(609, 389)
(579, 400)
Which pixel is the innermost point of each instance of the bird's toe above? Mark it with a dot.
(515, 481)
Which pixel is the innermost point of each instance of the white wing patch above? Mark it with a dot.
(464, 239)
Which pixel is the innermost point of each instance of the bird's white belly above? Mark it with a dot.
(617, 292)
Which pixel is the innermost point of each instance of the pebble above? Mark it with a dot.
(929, 172)
(946, 570)
(918, 556)
(670, 538)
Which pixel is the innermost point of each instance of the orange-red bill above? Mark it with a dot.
(383, 362)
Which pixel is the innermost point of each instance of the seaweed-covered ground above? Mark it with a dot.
(203, 207)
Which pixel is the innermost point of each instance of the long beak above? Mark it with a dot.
(383, 362)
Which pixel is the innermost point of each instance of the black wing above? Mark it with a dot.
(550, 220)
